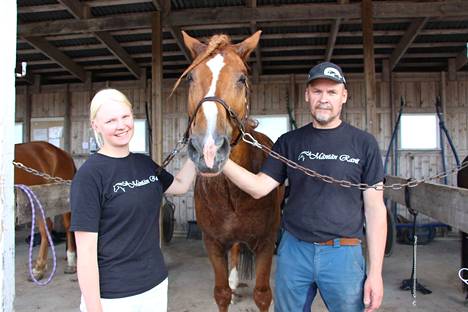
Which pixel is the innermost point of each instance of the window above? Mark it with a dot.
(419, 132)
(18, 132)
(138, 144)
(48, 129)
(272, 126)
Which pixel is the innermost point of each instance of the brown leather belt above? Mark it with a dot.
(341, 242)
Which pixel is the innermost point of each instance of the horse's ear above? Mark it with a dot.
(248, 45)
(194, 45)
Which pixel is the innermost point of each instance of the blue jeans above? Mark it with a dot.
(303, 267)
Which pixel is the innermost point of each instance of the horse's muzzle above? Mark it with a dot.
(208, 155)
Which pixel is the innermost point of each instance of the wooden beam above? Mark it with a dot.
(258, 70)
(369, 65)
(53, 197)
(461, 60)
(156, 89)
(452, 70)
(58, 56)
(281, 13)
(332, 39)
(444, 203)
(76, 8)
(119, 52)
(335, 27)
(406, 41)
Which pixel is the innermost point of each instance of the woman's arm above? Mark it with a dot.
(87, 270)
(183, 180)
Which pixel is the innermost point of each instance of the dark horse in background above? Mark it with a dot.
(46, 158)
(226, 215)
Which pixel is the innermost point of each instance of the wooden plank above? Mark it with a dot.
(406, 41)
(7, 122)
(54, 198)
(369, 64)
(75, 8)
(313, 11)
(156, 88)
(447, 204)
(58, 56)
(119, 52)
(461, 59)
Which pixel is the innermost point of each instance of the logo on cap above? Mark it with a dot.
(333, 72)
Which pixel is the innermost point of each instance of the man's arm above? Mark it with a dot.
(376, 236)
(257, 185)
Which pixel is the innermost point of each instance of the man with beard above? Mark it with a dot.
(323, 223)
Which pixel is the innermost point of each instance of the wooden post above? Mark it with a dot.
(67, 121)
(156, 88)
(27, 116)
(369, 65)
(7, 121)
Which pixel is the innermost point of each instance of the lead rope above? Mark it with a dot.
(32, 200)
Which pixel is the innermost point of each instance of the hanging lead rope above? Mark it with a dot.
(33, 200)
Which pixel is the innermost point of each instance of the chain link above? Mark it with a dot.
(43, 175)
(248, 138)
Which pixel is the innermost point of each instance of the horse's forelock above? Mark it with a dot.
(215, 44)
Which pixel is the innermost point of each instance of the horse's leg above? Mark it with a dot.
(41, 260)
(71, 246)
(218, 259)
(234, 274)
(262, 292)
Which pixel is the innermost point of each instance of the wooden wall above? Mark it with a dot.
(268, 97)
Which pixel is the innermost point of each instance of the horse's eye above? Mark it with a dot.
(242, 80)
(189, 77)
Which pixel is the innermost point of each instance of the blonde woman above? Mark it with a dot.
(115, 200)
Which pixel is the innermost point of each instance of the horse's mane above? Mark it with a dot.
(214, 44)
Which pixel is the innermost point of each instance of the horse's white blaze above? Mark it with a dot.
(209, 109)
(233, 278)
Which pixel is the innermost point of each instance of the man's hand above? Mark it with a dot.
(373, 293)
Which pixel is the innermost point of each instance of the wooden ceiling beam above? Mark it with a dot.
(335, 27)
(57, 56)
(76, 8)
(461, 59)
(258, 70)
(81, 12)
(413, 31)
(119, 52)
(226, 15)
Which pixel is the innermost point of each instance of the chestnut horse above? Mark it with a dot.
(226, 215)
(46, 158)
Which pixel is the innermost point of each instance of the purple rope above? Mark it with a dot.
(32, 199)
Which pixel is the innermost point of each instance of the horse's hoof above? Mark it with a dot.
(70, 269)
(38, 275)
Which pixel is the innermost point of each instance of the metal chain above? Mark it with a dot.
(43, 175)
(248, 138)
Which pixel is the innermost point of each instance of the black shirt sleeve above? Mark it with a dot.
(274, 167)
(165, 178)
(85, 201)
(373, 169)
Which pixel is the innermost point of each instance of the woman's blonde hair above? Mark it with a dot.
(104, 96)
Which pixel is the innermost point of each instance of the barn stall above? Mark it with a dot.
(410, 50)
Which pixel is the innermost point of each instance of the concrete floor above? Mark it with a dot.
(190, 280)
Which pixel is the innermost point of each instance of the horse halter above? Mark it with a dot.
(232, 115)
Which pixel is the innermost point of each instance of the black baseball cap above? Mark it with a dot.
(326, 70)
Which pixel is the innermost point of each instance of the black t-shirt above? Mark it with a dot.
(119, 198)
(317, 211)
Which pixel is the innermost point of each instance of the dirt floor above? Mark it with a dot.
(190, 280)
